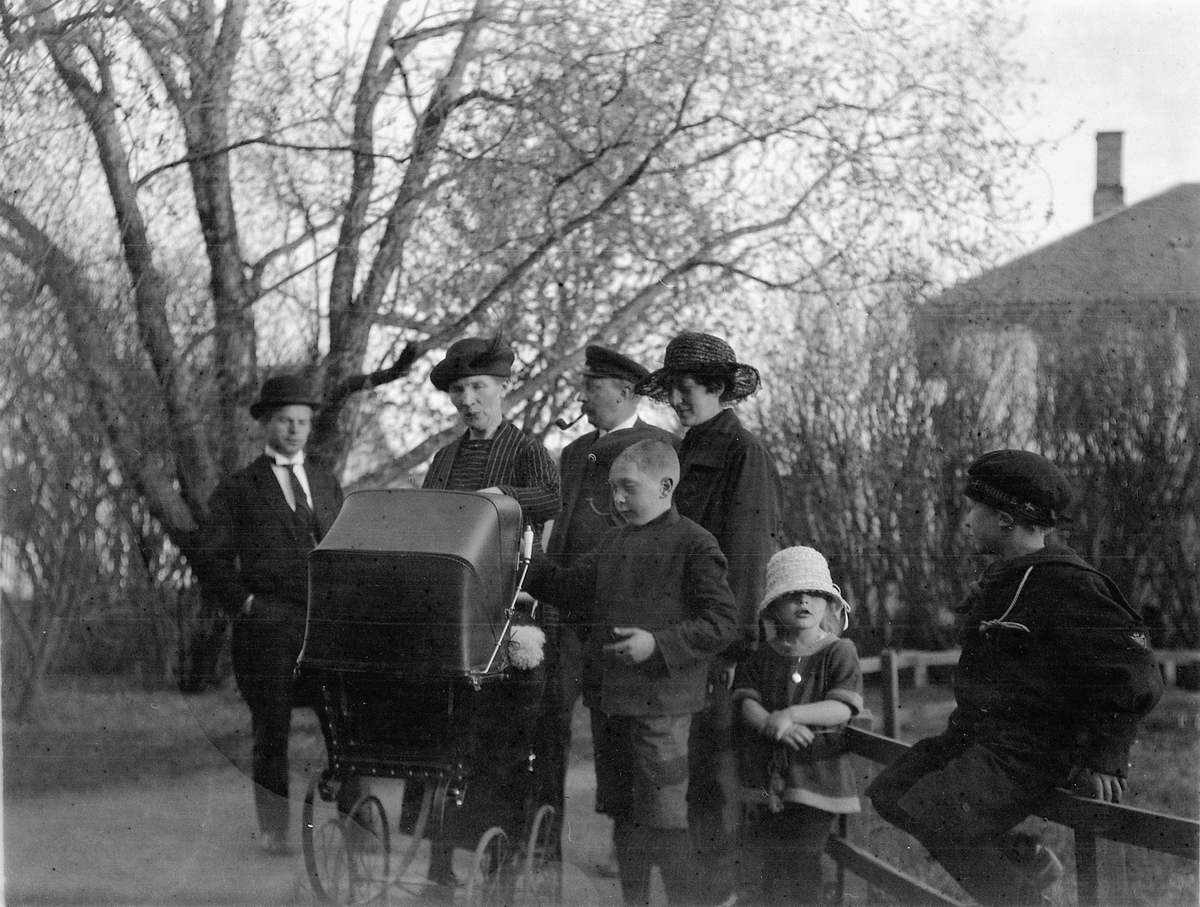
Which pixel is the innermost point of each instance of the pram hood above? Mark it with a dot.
(412, 582)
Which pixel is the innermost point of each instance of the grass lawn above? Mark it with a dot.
(93, 733)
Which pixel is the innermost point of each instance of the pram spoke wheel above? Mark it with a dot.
(347, 857)
(491, 877)
(369, 846)
(410, 839)
(541, 871)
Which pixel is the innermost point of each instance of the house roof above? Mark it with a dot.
(1135, 263)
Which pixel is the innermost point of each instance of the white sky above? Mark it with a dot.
(1109, 65)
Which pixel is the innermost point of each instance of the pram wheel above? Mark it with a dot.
(541, 871)
(433, 799)
(491, 877)
(347, 857)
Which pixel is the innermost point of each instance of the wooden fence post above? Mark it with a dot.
(1086, 870)
(920, 673)
(890, 675)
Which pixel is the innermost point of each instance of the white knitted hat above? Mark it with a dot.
(799, 569)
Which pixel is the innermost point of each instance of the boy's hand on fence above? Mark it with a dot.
(1097, 785)
(636, 646)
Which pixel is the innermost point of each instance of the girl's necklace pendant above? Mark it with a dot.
(807, 650)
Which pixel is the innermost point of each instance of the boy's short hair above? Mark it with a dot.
(653, 457)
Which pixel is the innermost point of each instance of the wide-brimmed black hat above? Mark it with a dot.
(472, 356)
(703, 356)
(284, 390)
(601, 362)
(1020, 483)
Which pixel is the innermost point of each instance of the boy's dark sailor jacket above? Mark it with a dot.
(728, 484)
(666, 577)
(1065, 674)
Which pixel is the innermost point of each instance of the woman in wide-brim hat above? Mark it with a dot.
(702, 356)
(729, 485)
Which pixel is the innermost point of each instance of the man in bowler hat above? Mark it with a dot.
(263, 521)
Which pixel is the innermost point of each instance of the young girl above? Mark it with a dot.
(794, 695)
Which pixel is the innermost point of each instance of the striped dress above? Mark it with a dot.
(515, 463)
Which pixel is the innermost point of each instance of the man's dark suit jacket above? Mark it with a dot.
(252, 542)
(587, 501)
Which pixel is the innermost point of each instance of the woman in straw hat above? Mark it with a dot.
(729, 485)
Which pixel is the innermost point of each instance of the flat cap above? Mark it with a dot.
(472, 356)
(1020, 483)
(600, 362)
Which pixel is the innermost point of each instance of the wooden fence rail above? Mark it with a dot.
(891, 661)
(1090, 820)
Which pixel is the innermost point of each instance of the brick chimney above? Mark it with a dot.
(1110, 194)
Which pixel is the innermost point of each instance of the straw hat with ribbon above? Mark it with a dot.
(702, 356)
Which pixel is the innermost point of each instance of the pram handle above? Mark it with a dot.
(526, 557)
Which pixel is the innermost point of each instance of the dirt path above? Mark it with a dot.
(189, 841)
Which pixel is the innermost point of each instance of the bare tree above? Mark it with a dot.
(242, 186)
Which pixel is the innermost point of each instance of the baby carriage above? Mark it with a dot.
(423, 671)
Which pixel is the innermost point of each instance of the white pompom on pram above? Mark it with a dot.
(526, 647)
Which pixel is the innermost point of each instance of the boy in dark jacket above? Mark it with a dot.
(659, 608)
(1054, 675)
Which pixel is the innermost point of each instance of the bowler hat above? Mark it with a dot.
(283, 390)
(472, 356)
(1020, 483)
(704, 356)
(600, 362)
